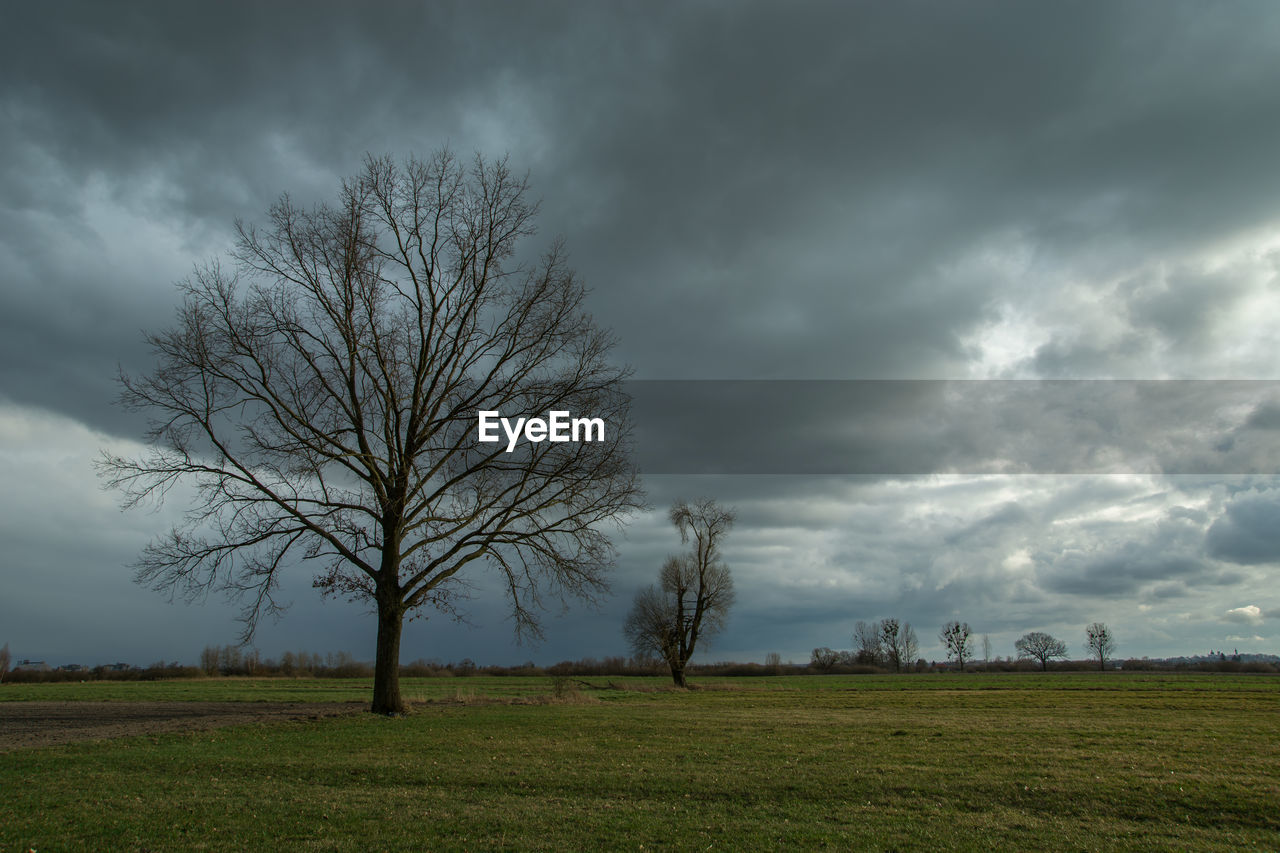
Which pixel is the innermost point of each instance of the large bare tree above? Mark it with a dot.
(322, 398)
(694, 591)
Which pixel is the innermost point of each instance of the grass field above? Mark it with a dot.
(1060, 762)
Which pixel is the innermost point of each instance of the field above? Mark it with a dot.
(1069, 761)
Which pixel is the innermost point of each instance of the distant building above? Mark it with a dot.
(31, 666)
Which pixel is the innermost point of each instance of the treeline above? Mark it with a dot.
(999, 664)
(867, 659)
(105, 672)
(236, 660)
(889, 645)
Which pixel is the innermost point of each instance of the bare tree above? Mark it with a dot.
(773, 662)
(824, 659)
(4, 660)
(693, 595)
(867, 648)
(986, 648)
(889, 631)
(1040, 646)
(955, 639)
(898, 644)
(1100, 642)
(323, 400)
(908, 645)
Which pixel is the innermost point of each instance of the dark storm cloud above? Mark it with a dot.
(1119, 573)
(1265, 417)
(1248, 532)
(895, 428)
(189, 116)
(818, 182)
(755, 191)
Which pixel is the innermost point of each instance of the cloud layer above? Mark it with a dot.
(891, 192)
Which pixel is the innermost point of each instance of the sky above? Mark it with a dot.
(752, 191)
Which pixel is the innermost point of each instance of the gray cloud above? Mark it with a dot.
(1248, 532)
(920, 427)
(907, 191)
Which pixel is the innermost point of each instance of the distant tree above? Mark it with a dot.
(773, 662)
(955, 639)
(230, 660)
(694, 591)
(908, 644)
(867, 648)
(986, 648)
(1101, 642)
(4, 660)
(824, 659)
(889, 631)
(209, 660)
(1040, 646)
(898, 643)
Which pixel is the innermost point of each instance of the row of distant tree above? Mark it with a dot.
(888, 644)
(342, 665)
(892, 645)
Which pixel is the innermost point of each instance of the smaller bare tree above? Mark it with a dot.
(693, 595)
(4, 660)
(1101, 642)
(866, 643)
(898, 644)
(889, 631)
(824, 659)
(1040, 646)
(955, 639)
(908, 645)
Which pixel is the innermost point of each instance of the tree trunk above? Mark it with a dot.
(677, 675)
(386, 667)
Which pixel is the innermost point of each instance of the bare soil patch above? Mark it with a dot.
(26, 725)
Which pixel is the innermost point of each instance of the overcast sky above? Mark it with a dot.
(753, 191)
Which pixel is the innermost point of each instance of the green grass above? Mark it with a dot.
(1058, 762)
(427, 689)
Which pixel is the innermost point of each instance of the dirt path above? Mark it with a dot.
(25, 725)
